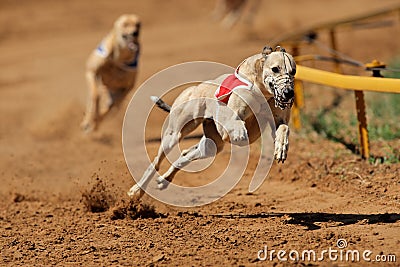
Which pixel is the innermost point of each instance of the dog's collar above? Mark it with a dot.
(133, 64)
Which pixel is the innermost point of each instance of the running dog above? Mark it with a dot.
(111, 69)
(267, 76)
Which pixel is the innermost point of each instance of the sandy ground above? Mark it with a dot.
(51, 172)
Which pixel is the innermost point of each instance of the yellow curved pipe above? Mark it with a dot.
(348, 82)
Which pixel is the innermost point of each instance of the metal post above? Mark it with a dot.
(298, 95)
(298, 103)
(375, 67)
(362, 124)
(334, 48)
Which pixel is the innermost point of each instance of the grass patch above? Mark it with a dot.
(392, 156)
(331, 126)
(344, 130)
(394, 64)
(383, 111)
(382, 120)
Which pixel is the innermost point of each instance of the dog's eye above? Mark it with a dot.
(293, 72)
(275, 70)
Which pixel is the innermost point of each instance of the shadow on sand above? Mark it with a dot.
(311, 220)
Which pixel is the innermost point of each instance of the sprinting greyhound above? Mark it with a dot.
(268, 76)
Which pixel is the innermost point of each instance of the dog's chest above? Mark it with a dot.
(128, 59)
(115, 77)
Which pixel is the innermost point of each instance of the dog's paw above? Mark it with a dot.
(238, 135)
(87, 127)
(162, 183)
(281, 150)
(135, 192)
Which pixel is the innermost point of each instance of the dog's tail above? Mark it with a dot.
(160, 103)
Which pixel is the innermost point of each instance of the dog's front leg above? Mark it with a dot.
(232, 119)
(281, 118)
(89, 122)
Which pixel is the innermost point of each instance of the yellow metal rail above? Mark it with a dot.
(348, 82)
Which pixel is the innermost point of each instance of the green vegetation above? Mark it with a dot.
(392, 155)
(383, 112)
(331, 126)
(395, 64)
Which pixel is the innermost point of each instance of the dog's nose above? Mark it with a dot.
(288, 93)
(135, 34)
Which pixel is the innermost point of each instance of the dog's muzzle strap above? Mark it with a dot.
(278, 85)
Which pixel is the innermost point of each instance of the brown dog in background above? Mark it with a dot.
(111, 69)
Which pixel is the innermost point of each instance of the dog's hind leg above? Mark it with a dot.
(99, 102)
(89, 122)
(210, 145)
(168, 142)
(105, 100)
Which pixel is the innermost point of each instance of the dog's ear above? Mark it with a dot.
(258, 66)
(266, 51)
(138, 26)
(280, 49)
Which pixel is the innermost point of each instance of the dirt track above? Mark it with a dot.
(322, 193)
